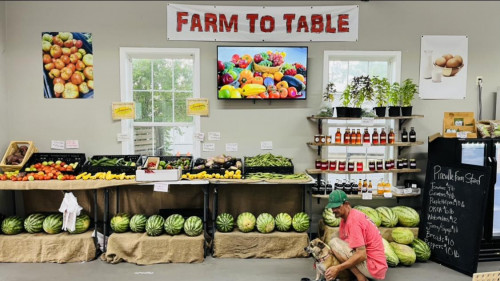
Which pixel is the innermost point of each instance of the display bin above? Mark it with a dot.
(268, 169)
(13, 148)
(64, 157)
(128, 170)
(212, 171)
(171, 160)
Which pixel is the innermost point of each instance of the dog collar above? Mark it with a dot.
(322, 259)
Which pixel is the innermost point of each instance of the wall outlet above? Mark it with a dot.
(479, 78)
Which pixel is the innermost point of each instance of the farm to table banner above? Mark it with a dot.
(262, 23)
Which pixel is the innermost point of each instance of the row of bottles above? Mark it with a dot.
(351, 187)
(355, 137)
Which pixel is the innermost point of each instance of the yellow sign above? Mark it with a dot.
(197, 107)
(123, 110)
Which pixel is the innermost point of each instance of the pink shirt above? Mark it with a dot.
(358, 230)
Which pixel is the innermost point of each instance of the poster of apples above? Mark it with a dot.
(68, 66)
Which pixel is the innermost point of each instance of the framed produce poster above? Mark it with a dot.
(68, 65)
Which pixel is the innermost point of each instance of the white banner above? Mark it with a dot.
(262, 23)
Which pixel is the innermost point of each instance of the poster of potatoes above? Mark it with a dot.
(443, 67)
(68, 67)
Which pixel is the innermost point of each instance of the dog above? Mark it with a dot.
(323, 259)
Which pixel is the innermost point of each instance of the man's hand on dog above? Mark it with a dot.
(332, 272)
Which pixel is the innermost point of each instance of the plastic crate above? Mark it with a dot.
(212, 171)
(269, 169)
(63, 157)
(11, 149)
(128, 170)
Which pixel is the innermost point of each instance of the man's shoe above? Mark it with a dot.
(305, 279)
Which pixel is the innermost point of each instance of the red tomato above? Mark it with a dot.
(292, 92)
(283, 92)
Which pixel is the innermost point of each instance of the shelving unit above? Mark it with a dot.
(391, 171)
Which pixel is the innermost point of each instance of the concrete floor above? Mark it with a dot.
(214, 269)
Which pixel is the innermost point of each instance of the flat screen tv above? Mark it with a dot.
(256, 73)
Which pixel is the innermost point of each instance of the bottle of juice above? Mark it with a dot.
(392, 136)
(358, 136)
(387, 188)
(347, 136)
(353, 137)
(380, 187)
(366, 136)
(383, 137)
(375, 136)
(338, 136)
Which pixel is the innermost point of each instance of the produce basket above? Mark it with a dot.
(171, 162)
(67, 158)
(13, 148)
(266, 69)
(128, 170)
(268, 169)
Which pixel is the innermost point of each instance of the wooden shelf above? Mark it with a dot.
(374, 196)
(361, 145)
(313, 117)
(391, 171)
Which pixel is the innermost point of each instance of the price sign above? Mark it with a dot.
(160, 187)
(367, 196)
(367, 121)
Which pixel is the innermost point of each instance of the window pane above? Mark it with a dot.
(357, 68)
(173, 140)
(141, 72)
(378, 68)
(143, 111)
(143, 140)
(163, 107)
(181, 108)
(183, 72)
(338, 74)
(162, 74)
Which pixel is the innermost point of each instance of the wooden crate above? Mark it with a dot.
(12, 148)
(486, 276)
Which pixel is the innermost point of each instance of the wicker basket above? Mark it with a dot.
(266, 69)
(13, 147)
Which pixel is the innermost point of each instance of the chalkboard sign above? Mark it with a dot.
(453, 213)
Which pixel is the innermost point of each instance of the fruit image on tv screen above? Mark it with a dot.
(261, 73)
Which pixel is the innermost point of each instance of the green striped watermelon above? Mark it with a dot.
(387, 217)
(120, 222)
(138, 223)
(224, 222)
(246, 222)
(52, 224)
(174, 224)
(390, 256)
(193, 226)
(422, 250)
(405, 253)
(370, 213)
(154, 225)
(82, 224)
(34, 223)
(300, 222)
(283, 221)
(406, 216)
(402, 235)
(329, 218)
(265, 223)
(12, 225)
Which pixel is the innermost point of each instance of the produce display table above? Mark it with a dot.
(279, 245)
(42, 247)
(67, 185)
(326, 233)
(141, 249)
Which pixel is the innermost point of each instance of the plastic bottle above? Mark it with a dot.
(391, 137)
(387, 188)
(354, 187)
(370, 185)
(375, 136)
(347, 187)
(383, 137)
(380, 187)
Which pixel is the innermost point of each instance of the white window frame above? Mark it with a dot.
(126, 56)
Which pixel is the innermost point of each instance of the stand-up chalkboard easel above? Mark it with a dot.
(454, 203)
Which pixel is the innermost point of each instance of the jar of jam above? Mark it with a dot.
(317, 138)
(322, 139)
(324, 165)
(371, 165)
(388, 164)
(333, 165)
(413, 164)
(380, 165)
(350, 166)
(405, 163)
(328, 140)
(341, 165)
(317, 164)
(399, 163)
(359, 166)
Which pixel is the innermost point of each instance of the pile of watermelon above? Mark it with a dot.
(36, 223)
(156, 225)
(264, 223)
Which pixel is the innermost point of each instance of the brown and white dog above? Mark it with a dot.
(323, 259)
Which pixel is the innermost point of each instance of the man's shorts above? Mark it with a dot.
(341, 247)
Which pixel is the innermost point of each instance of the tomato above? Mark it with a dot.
(292, 92)
(264, 95)
(283, 92)
(274, 95)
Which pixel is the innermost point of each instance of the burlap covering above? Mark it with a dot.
(41, 247)
(141, 249)
(279, 245)
(326, 233)
(62, 185)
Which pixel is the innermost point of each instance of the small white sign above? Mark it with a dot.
(367, 121)
(72, 144)
(209, 146)
(213, 136)
(199, 136)
(122, 137)
(462, 135)
(160, 187)
(367, 196)
(57, 144)
(387, 194)
(266, 145)
(231, 147)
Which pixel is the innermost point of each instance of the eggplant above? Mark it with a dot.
(200, 161)
(227, 165)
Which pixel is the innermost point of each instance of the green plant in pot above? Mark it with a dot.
(393, 97)
(361, 91)
(327, 108)
(342, 111)
(380, 88)
(407, 92)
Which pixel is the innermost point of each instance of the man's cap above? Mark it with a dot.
(337, 198)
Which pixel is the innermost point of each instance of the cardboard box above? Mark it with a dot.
(158, 175)
(457, 123)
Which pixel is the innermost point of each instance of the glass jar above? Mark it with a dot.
(405, 163)
(399, 163)
(322, 139)
(341, 165)
(333, 165)
(324, 165)
(371, 165)
(380, 165)
(359, 166)
(350, 166)
(317, 164)
(317, 138)
(388, 164)
(328, 140)
(413, 164)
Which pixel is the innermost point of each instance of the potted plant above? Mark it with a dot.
(327, 107)
(394, 99)
(361, 90)
(342, 111)
(380, 87)
(407, 92)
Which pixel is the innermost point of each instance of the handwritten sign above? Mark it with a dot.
(72, 144)
(57, 144)
(231, 147)
(266, 145)
(453, 212)
(197, 107)
(213, 136)
(123, 110)
(209, 146)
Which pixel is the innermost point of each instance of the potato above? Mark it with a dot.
(447, 56)
(453, 63)
(440, 61)
(459, 58)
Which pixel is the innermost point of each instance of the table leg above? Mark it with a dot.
(106, 216)
(214, 213)
(205, 215)
(96, 241)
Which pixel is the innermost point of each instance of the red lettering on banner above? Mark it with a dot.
(210, 22)
(289, 18)
(263, 21)
(223, 24)
(196, 23)
(342, 22)
(316, 23)
(329, 28)
(252, 18)
(181, 20)
(302, 24)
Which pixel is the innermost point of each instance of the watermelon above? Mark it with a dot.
(120, 222)
(329, 218)
(224, 222)
(300, 222)
(402, 235)
(34, 223)
(246, 222)
(193, 226)
(154, 225)
(52, 224)
(422, 250)
(405, 253)
(283, 222)
(138, 223)
(387, 217)
(406, 216)
(265, 223)
(390, 256)
(82, 224)
(370, 213)
(174, 224)
(12, 225)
